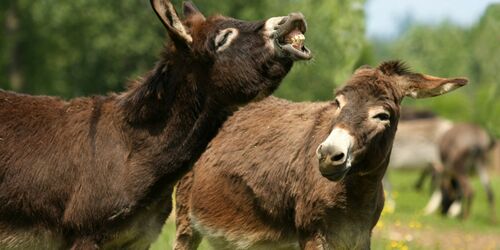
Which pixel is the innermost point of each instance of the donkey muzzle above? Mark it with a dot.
(289, 37)
(334, 154)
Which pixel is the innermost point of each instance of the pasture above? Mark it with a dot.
(406, 227)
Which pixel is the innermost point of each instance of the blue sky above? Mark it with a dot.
(383, 16)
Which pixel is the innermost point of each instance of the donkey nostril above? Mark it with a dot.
(338, 157)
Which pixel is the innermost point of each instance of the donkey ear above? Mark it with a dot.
(168, 15)
(190, 10)
(419, 85)
(422, 86)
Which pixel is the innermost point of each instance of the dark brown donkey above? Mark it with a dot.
(261, 183)
(98, 172)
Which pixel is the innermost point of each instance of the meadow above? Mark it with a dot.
(405, 227)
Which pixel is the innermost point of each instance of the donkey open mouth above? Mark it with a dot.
(289, 37)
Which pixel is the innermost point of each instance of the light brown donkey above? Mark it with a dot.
(261, 183)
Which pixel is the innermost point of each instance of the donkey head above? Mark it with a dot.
(367, 117)
(237, 61)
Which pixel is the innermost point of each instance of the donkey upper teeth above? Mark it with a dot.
(298, 40)
(299, 37)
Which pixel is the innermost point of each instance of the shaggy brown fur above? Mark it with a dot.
(259, 184)
(98, 172)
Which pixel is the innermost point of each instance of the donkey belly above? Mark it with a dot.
(139, 234)
(241, 234)
(138, 231)
(143, 228)
(30, 238)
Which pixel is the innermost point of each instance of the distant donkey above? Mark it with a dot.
(415, 145)
(463, 149)
(98, 172)
(261, 183)
(416, 141)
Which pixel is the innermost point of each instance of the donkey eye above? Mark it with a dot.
(224, 38)
(382, 116)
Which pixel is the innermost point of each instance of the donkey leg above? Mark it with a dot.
(426, 172)
(186, 237)
(485, 181)
(467, 195)
(434, 202)
(437, 171)
(451, 202)
(438, 183)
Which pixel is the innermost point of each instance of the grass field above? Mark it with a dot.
(405, 227)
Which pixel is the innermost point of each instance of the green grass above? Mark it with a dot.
(409, 205)
(407, 228)
(417, 231)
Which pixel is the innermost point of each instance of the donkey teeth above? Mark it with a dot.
(298, 41)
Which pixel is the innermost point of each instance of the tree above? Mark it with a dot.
(79, 47)
(485, 63)
(336, 37)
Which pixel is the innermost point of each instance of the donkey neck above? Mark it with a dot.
(373, 171)
(363, 187)
(172, 118)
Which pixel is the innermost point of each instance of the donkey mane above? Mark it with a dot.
(148, 97)
(395, 67)
(145, 98)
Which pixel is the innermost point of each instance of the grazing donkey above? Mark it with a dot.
(98, 172)
(463, 149)
(415, 145)
(260, 185)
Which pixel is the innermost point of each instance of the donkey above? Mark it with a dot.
(463, 149)
(98, 172)
(415, 143)
(261, 183)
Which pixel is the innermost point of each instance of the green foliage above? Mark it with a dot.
(449, 50)
(336, 37)
(78, 47)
